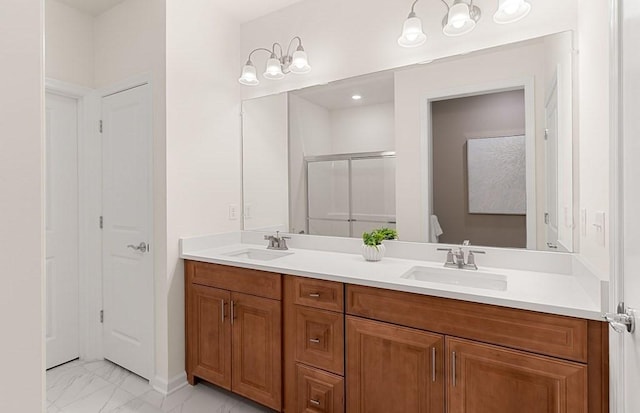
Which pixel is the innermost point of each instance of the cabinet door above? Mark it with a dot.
(488, 379)
(393, 369)
(320, 339)
(209, 335)
(257, 354)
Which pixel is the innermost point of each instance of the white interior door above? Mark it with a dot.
(127, 230)
(61, 226)
(631, 197)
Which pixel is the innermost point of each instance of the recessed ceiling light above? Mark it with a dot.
(356, 97)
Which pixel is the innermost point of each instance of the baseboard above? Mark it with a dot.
(166, 387)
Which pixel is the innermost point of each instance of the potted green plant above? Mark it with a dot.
(372, 246)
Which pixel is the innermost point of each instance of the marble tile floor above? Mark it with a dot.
(103, 387)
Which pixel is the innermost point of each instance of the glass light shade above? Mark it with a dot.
(459, 20)
(274, 69)
(412, 34)
(510, 11)
(299, 62)
(249, 76)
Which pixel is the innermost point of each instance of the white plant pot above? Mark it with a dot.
(371, 253)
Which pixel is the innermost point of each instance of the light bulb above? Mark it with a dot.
(510, 11)
(249, 77)
(412, 34)
(458, 20)
(274, 69)
(299, 62)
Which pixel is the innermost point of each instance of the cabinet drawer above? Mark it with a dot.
(254, 282)
(328, 295)
(320, 338)
(318, 391)
(552, 335)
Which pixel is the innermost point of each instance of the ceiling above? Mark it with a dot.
(241, 10)
(374, 89)
(247, 10)
(92, 7)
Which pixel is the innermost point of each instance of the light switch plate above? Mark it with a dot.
(233, 212)
(583, 222)
(599, 225)
(247, 211)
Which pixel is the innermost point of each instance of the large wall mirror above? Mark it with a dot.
(476, 147)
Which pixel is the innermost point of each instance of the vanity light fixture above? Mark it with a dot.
(510, 11)
(412, 34)
(278, 65)
(461, 18)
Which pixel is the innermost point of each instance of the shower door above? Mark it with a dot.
(349, 194)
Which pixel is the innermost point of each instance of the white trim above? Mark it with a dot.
(166, 387)
(616, 206)
(426, 138)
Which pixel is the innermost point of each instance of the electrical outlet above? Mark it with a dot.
(247, 211)
(233, 212)
(583, 222)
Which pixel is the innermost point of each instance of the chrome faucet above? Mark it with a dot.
(277, 242)
(456, 259)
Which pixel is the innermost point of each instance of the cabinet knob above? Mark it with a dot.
(314, 340)
(314, 402)
(314, 295)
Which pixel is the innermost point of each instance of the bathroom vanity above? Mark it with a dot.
(322, 331)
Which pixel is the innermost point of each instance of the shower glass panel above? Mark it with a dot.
(373, 194)
(328, 198)
(349, 194)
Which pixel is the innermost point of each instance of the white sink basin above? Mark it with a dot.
(452, 276)
(256, 254)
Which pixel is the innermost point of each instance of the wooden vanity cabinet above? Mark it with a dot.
(314, 345)
(494, 359)
(234, 330)
(393, 369)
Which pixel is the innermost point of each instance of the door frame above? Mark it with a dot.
(86, 240)
(616, 206)
(426, 142)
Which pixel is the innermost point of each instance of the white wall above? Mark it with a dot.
(203, 141)
(265, 163)
(309, 134)
(69, 44)
(593, 45)
(129, 41)
(349, 38)
(21, 203)
(367, 128)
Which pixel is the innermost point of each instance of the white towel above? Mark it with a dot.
(435, 229)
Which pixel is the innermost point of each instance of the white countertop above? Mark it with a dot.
(555, 293)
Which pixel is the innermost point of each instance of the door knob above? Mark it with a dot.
(142, 247)
(623, 320)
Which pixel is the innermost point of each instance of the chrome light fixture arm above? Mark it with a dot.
(279, 63)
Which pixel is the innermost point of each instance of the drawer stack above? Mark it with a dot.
(314, 355)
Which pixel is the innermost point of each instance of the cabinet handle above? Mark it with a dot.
(316, 402)
(222, 310)
(314, 295)
(453, 367)
(314, 340)
(433, 364)
(233, 312)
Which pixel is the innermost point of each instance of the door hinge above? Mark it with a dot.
(100, 127)
(546, 133)
(101, 222)
(102, 316)
(546, 218)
